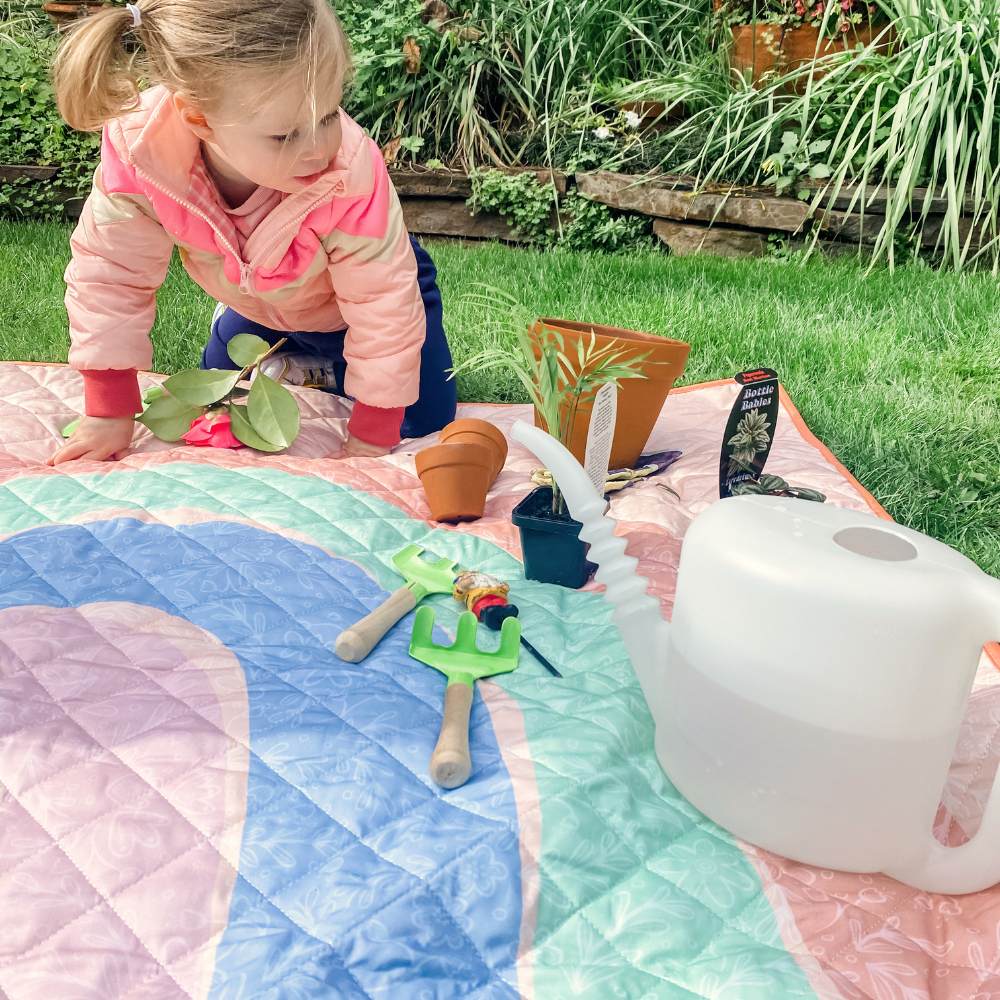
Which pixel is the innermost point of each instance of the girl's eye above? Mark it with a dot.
(292, 136)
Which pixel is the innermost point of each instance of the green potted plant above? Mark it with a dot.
(560, 376)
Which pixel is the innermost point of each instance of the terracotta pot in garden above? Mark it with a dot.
(652, 113)
(67, 11)
(473, 431)
(767, 48)
(456, 479)
(639, 399)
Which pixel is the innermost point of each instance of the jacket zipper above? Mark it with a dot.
(247, 270)
(247, 284)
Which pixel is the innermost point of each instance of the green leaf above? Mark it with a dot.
(819, 170)
(244, 432)
(247, 349)
(273, 411)
(201, 388)
(169, 417)
(772, 482)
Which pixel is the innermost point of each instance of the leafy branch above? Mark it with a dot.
(269, 420)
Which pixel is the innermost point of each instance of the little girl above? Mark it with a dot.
(279, 204)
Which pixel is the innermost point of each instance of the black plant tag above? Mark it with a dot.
(750, 429)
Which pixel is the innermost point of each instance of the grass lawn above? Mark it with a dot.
(898, 374)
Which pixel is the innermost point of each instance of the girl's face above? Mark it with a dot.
(277, 144)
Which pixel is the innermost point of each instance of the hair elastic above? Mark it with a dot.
(136, 14)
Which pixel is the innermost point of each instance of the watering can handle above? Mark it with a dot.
(356, 642)
(450, 762)
(975, 865)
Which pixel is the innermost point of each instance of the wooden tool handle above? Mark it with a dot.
(356, 642)
(450, 762)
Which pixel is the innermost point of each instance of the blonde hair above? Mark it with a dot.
(192, 47)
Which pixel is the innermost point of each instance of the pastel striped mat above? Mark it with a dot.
(199, 800)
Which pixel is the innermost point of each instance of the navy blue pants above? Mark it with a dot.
(436, 405)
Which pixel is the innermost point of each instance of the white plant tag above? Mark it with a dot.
(600, 435)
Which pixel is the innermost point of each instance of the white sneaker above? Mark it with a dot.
(307, 370)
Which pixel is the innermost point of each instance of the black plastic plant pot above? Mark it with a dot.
(550, 543)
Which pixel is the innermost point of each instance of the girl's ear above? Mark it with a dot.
(193, 117)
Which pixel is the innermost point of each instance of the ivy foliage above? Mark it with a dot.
(537, 216)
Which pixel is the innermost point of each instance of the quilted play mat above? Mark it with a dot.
(199, 800)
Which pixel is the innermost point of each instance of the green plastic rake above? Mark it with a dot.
(463, 664)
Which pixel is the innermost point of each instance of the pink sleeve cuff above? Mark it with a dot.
(112, 392)
(376, 424)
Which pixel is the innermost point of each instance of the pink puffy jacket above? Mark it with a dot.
(333, 255)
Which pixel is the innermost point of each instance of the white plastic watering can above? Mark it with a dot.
(809, 692)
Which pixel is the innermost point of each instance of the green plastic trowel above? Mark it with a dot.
(422, 578)
(463, 664)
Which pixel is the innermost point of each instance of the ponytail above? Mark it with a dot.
(192, 47)
(94, 75)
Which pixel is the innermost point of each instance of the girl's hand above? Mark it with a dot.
(354, 448)
(96, 438)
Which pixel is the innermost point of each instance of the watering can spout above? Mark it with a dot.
(636, 614)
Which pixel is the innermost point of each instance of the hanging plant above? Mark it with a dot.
(208, 407)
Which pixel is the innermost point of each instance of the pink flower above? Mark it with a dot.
(844, 26)
(212, 432)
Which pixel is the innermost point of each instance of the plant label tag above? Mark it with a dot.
(603, 416)
(750, 429)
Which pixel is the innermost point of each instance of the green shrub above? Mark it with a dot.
(594, 226)
(582, 224)
(500, 83)
(32, 131)
(519, 198)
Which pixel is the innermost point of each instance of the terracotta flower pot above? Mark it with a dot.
(456, 479)
(481, 432)
(767, 48)
(65, 12)
(639, 399)
(656, 113)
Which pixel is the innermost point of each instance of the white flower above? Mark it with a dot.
(602, 132)
(632, 119)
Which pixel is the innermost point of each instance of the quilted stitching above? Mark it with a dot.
(613, 676)
(50, 562)
(591, 931)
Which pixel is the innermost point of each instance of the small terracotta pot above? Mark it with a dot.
(472, 431)
(639, 399)
(765, 48)
(456, 479)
